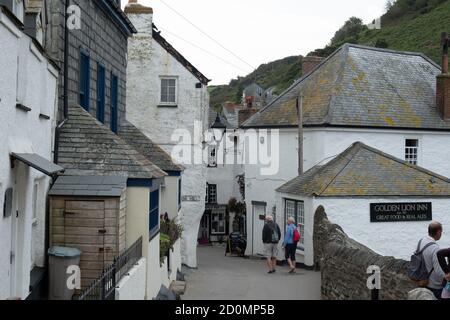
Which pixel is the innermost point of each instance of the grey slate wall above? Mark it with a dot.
(102, 39)
(343, 263)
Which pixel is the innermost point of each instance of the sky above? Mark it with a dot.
(225, 39)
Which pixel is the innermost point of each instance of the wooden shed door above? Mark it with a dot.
(84, 226)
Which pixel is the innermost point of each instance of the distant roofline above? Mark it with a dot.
(178, 56)
(344, 154)
(345, 46)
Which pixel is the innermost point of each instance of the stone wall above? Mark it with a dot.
(343, 263)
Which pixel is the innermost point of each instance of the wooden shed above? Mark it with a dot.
(89, 213)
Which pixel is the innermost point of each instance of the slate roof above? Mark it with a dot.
(178, 56)
(361, 86)
(93, 186)
(88, 148)
(135, 138)
(362, 171)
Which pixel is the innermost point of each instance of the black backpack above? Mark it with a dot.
(417, 269)
(275, 234)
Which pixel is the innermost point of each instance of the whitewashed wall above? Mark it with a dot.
(22, 132)
(132, 285)
(147, 62)
(323, 144)
(398, 239)
(153, 269)
(169, 197)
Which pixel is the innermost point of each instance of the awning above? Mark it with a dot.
(37, 162)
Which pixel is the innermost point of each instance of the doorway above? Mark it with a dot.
(259, 216)
(204, 232)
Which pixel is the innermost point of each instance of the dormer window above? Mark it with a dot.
(18, 9)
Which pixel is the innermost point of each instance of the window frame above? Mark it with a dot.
(208, 193)
(168, 103)
(410, 151)
(114, 103)
(299, 219)
(153, 214)
(84, 81)
(223, 220)
(101, 92)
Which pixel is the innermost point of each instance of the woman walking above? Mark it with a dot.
(444, 255)
(290, 244)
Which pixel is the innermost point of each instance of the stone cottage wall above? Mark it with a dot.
(343, 263)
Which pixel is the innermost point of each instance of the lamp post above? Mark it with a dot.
(219, 129)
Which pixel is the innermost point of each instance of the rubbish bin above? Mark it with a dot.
(60, 258)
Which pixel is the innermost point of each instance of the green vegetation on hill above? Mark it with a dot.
(279, 74)
(408, 25)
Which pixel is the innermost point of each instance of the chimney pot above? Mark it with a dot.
(443, 82)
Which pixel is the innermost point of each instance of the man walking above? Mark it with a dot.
(271, 237)
(437, 275)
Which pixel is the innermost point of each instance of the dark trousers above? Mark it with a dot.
(437, 293)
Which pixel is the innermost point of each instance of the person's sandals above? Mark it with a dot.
(292, 271)
(271, 271)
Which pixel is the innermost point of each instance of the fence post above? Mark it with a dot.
(103, 285)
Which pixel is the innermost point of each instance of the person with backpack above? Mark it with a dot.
(424, 268)
(271, 235)
(444, 261)
(291, 239)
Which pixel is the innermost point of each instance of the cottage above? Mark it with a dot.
(28, 108)
(380, 201)
(386, 99)
(167, 96)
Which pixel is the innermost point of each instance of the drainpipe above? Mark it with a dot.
(65, 84)
(300, 133)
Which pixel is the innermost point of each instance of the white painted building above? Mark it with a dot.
(380, 201)
(167, 97)
(383, 98)
(28, 106)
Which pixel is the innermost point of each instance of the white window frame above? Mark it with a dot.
(221, 223)
(299, 215)
(168, 103)
(409, 151)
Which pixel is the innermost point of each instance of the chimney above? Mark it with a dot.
(140, 16)
(309, 63)
(443, 81)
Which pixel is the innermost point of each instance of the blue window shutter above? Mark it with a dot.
(179, 193)
(85, 80)
(154, 212)
(101, 93)
(114, 103)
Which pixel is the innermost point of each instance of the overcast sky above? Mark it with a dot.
(256, 31)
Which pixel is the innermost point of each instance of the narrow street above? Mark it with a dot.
(233, 278)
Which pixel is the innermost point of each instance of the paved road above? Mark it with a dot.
(232, 278)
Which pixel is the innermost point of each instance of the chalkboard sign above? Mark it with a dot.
(400, 212)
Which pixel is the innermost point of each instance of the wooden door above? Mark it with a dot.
(84, 228)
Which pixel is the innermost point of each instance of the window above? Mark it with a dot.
(296, 209)
(154, 212)
(85, 81)
(114, 103)
(100, 93)
(218, 225)
(212, 157)
(169, 91)
(411, 151)
(211, 193)
(34, 209)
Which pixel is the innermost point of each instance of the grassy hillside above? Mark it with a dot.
(409, 25)
(279, 74)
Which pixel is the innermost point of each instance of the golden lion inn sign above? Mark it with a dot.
(399, 212)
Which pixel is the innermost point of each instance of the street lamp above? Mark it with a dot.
(219, 129)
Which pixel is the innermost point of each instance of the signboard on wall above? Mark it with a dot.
(401, 212)
(190, 198)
